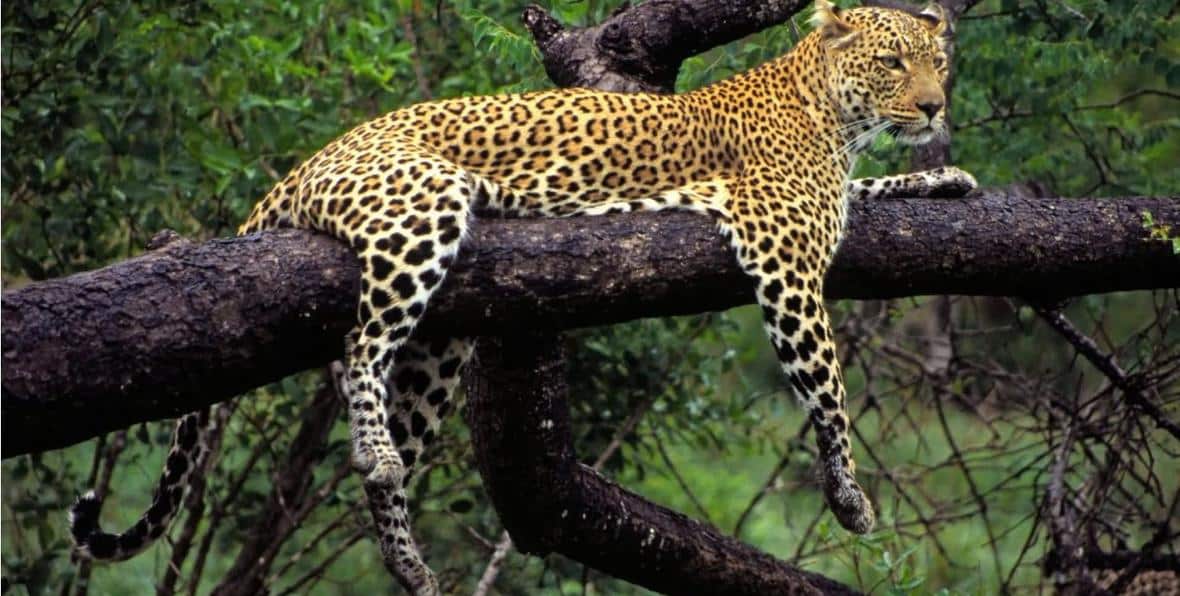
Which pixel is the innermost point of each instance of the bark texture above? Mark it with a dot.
(192, 324)
(548, 502)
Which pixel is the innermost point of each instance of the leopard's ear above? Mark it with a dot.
(934, 18)
(835, 31)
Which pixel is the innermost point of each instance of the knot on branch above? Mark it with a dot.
(541, 25)
(165, 238)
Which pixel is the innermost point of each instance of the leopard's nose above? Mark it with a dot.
(930, 108)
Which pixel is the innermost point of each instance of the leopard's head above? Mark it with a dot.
(886, 69)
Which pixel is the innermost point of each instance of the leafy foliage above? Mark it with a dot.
(1080, 96)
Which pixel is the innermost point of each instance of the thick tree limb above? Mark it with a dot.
(193, 324)
(520, 431)
(641, 48)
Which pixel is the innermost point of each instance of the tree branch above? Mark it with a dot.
(1106, 364)
(641, 48)
(192, 324)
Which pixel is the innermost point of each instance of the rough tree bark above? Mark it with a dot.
(193, 324)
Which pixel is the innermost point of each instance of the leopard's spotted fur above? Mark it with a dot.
(766, 153)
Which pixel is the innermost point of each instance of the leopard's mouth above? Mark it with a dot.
(914, 134)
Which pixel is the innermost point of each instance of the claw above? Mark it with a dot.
(952, 182)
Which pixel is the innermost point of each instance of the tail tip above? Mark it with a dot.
(84, 516)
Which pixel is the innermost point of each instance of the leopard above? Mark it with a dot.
(767, 154)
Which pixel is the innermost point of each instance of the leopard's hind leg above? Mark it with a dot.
(422, 392)
(405, 225)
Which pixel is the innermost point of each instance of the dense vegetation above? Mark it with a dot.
(121, 118)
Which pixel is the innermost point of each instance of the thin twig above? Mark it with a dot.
(310, 544)
(415, 58)
(1105, 363)
(680, 481)
(1004, 116)
(318, 571)
(493, 568)
(771, 478)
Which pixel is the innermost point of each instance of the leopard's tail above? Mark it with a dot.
(189, 453)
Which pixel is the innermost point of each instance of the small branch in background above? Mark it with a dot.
(337, 523)
(771, 479)
(221, 509)
(620, 435)
(317, 572)
(424, 91)
(1106, 364)
(1002, 115)
(1072, 576)
(981, 500)
(684, 488)
(493, 567)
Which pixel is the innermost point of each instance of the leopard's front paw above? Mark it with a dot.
(951, 182)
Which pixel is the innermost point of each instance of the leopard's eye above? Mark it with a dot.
(939, 61)
(890, 62)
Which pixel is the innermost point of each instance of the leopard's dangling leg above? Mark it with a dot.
(405, 247)
(422, 390)
(421, 393)
(788, 265)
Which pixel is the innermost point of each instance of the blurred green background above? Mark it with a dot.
(122, 118)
